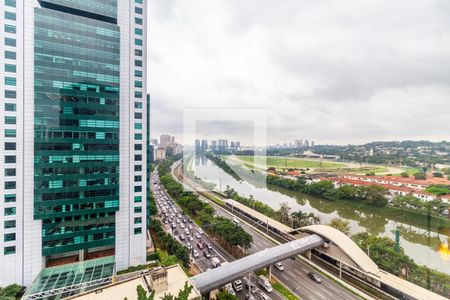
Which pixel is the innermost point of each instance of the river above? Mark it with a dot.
(419, 244)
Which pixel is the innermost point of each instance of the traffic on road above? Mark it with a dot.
(205, 253)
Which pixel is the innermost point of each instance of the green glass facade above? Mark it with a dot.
(76, 128)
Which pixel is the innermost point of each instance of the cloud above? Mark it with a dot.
(332, 71)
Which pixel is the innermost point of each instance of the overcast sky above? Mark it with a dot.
(344, 71)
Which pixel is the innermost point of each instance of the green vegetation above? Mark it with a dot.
(413, 203)
(224, 295)
(439, 189)
(11, 292)
(173, 247)
(142, 294)
(291, 162)
(384, 254)
(341, 225)
(222, 164)
(182, 294)
(420, 176)
(372, 195)
(135, 268)
(203, 213)
(283, 215)
(286, 293)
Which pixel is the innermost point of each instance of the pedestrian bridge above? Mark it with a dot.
(218, 277)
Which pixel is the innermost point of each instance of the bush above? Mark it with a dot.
(420, 176)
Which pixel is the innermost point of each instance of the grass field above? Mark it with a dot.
(281, 163)
(290, 162)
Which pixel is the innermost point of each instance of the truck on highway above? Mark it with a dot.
(215, 262)
(264, 282)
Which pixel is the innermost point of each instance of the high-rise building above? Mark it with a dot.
(213, 145)
(73, 134)
(306, 144)
(198, 147)
(223, 145)
(164, 140)
(204, 146)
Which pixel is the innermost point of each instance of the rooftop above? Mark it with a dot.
(127, 289)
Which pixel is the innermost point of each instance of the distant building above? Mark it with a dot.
(298, 143)
(312, 143)
(223, 145)
(198, 147)
(306, 144)
(238, 145)
(204, 146)
(164, 140)
(159, 153)
(213, 145)
(154, 142)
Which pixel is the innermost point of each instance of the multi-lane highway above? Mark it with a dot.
(202, 249)
(295, 274)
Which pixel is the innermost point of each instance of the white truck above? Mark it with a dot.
(264, 282)
(215, 262)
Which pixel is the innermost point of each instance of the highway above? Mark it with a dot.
(295, 274)
(164, 202)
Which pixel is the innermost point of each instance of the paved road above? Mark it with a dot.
(163, 200)
(295, 274)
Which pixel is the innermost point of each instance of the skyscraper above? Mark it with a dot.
(164, 140)
(73, 132)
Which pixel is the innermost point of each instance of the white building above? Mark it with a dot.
(72, 131)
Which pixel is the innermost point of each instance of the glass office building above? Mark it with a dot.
(75, 131)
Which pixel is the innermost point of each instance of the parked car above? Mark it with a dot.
(182, 237)
(206, 254)
(314, 277)
(209, 246)
(195, 253)
(200, 245)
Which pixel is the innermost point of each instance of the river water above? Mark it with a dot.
(420, 244)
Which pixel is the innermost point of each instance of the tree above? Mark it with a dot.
(185, 292)
(404, 174)
(224, 295)
(420, 176)
(438, 174)
(341, 225)
(375, 195)
(284, 212)
(142, 294)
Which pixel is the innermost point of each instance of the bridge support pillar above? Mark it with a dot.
(308, 254)
(269, 271)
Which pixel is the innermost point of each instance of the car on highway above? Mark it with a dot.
(260, 294)
(190, 227)
(197, 235)
(229, 289)
(195, 253)
(279, 266)
(182, 225)
(178, 221)
(182, 237)
(191, 238)
(206, 254)
(209, 246)
(237, 285)
(249, 297)
(174, 225)
(250, 287)
(184, 221)
(314, 277)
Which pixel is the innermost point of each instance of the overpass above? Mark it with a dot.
(218, 277)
